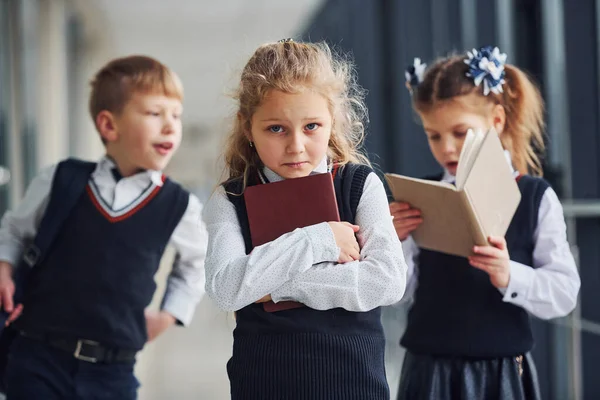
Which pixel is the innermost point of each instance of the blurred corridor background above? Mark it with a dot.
(49, 50)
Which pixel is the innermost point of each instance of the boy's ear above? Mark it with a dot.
(107, 126)
(499, 118)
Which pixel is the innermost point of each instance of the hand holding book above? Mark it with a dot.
(406, 218)
(494, 260)
(345, 238)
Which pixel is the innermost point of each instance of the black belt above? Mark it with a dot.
(85, 350)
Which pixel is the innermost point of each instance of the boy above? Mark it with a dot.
(82, 319)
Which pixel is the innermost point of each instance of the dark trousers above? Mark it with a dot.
(36, 370)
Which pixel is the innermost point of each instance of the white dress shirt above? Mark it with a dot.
(302, 265)
(185, 285)
(549, 290)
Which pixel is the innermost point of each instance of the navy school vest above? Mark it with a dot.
(305, 353)
(458, 312)
(98, 276)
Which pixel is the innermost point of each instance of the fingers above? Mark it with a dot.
(14, 314)
(481, 260)
(344, 258)
(489, 264)
(355, 228)
(6, 298)
(411, 224)
(488, 251)
(349, 255)
(413, 212)
(355, 254)
(497, 241)
(355, 245)
(405, 227)
(399, 206)
(480, 265)
(406, 221)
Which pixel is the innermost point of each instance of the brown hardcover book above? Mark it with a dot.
(280, 207)
(482, 204)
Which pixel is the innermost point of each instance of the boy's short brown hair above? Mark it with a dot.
(114, 84)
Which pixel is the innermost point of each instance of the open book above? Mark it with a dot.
(480, 204)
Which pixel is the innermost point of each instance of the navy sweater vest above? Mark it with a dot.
(98, 277)
(304, 353)
(458, 312)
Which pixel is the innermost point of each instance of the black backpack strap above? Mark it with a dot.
(349, 182)
(69, 183)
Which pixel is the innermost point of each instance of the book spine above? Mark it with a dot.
(477, 231)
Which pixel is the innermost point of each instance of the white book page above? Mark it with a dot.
(467, 157)
(463, 156)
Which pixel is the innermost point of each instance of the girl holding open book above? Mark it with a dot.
(301, 113)
(468, 334)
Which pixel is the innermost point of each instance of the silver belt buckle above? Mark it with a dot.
(77, 352)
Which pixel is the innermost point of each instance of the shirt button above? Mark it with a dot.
(513, 295)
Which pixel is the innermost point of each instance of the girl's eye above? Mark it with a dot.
(276, 128)
(312, 127)
(434, 138)
(154, 114)
(460, 134)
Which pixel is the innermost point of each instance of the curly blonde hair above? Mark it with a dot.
(290, 67)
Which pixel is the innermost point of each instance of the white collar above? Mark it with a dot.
(106, 164)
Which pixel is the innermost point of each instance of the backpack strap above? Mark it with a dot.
(69, 183)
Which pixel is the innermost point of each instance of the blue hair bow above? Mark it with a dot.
(414, 74)
(487, 66)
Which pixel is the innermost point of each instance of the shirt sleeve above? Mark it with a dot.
(235, 279)
(550, 289)
(19, 226)
(411, 256)
(185, 284)
(377, 279)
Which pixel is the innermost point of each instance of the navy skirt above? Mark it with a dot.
(437, 378)
(308, 367)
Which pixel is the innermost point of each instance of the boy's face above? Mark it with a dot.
(291, 132)
(146, 133)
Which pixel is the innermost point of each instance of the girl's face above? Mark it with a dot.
(291, 132)
(446, 127)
